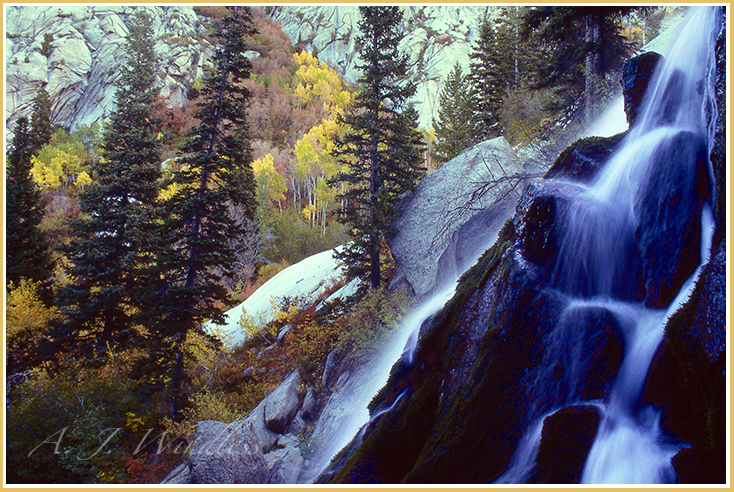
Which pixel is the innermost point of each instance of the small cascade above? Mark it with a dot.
(601, 264)
(400, 349)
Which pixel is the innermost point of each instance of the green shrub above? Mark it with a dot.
(294, 239)
(372, 321)
(205, 405)
(70, 427)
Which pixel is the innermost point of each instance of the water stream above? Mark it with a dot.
(598, 253)
(593, 272)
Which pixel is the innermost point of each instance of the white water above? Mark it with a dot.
(629, 446)
(356, 416)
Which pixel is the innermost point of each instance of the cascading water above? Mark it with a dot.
(373, 377)
(599, 255)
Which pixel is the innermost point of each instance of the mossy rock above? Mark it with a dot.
(687, 378)
(583, 159)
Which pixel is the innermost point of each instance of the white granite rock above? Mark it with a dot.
(85, 55)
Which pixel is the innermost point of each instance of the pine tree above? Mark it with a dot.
(41, 129)
(584, 50)
(27, 252)
(115, 243)
(382, 149)
(501, 64)
(488, 83)
(216, 174)
(456, 127)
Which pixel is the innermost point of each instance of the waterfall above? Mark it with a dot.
(373, 377)
(599, 255)
(622, 247)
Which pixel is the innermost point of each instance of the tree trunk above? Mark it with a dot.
(375, 264)
(593, 32)
(179, 375)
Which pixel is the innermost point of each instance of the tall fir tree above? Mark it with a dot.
(457, 126)
(488, 84)
(27, 252)
(584, 50)
(112, 247)
(501, 64)
(41, 128)
(216, 174)
(516, 55)
(382, 149)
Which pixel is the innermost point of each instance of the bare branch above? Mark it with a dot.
(495, 189)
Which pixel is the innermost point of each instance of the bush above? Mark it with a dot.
(358, 331)
(295, 239)
(71, 427)
(369, 325)
(206, 405)
(46, 47)
(523, 116)
(27, 320)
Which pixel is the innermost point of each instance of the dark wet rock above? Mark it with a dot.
(687, 378)
(581, 358)
(719, 160)
(670, 207)
(537, 224)
(565, 442)
(583, 159)
(636, 75)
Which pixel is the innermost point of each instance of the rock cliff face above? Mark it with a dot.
(435, 37)
(75, 52)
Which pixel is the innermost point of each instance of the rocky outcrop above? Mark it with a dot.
(470, 196)
(76, 52)
(226, 453)
(671, 207)
(636, 76)
(565, 442)
(687, 379)
(287, 468)
(282, 404)
(259, 448)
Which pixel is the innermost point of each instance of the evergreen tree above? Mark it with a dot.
(27, 251)
(584, 52)
(516, 55)
(41, 129)
(113, 245)
(216, 174)
(488, 83)
(456, 127)
(382, 149)
(501, 62)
